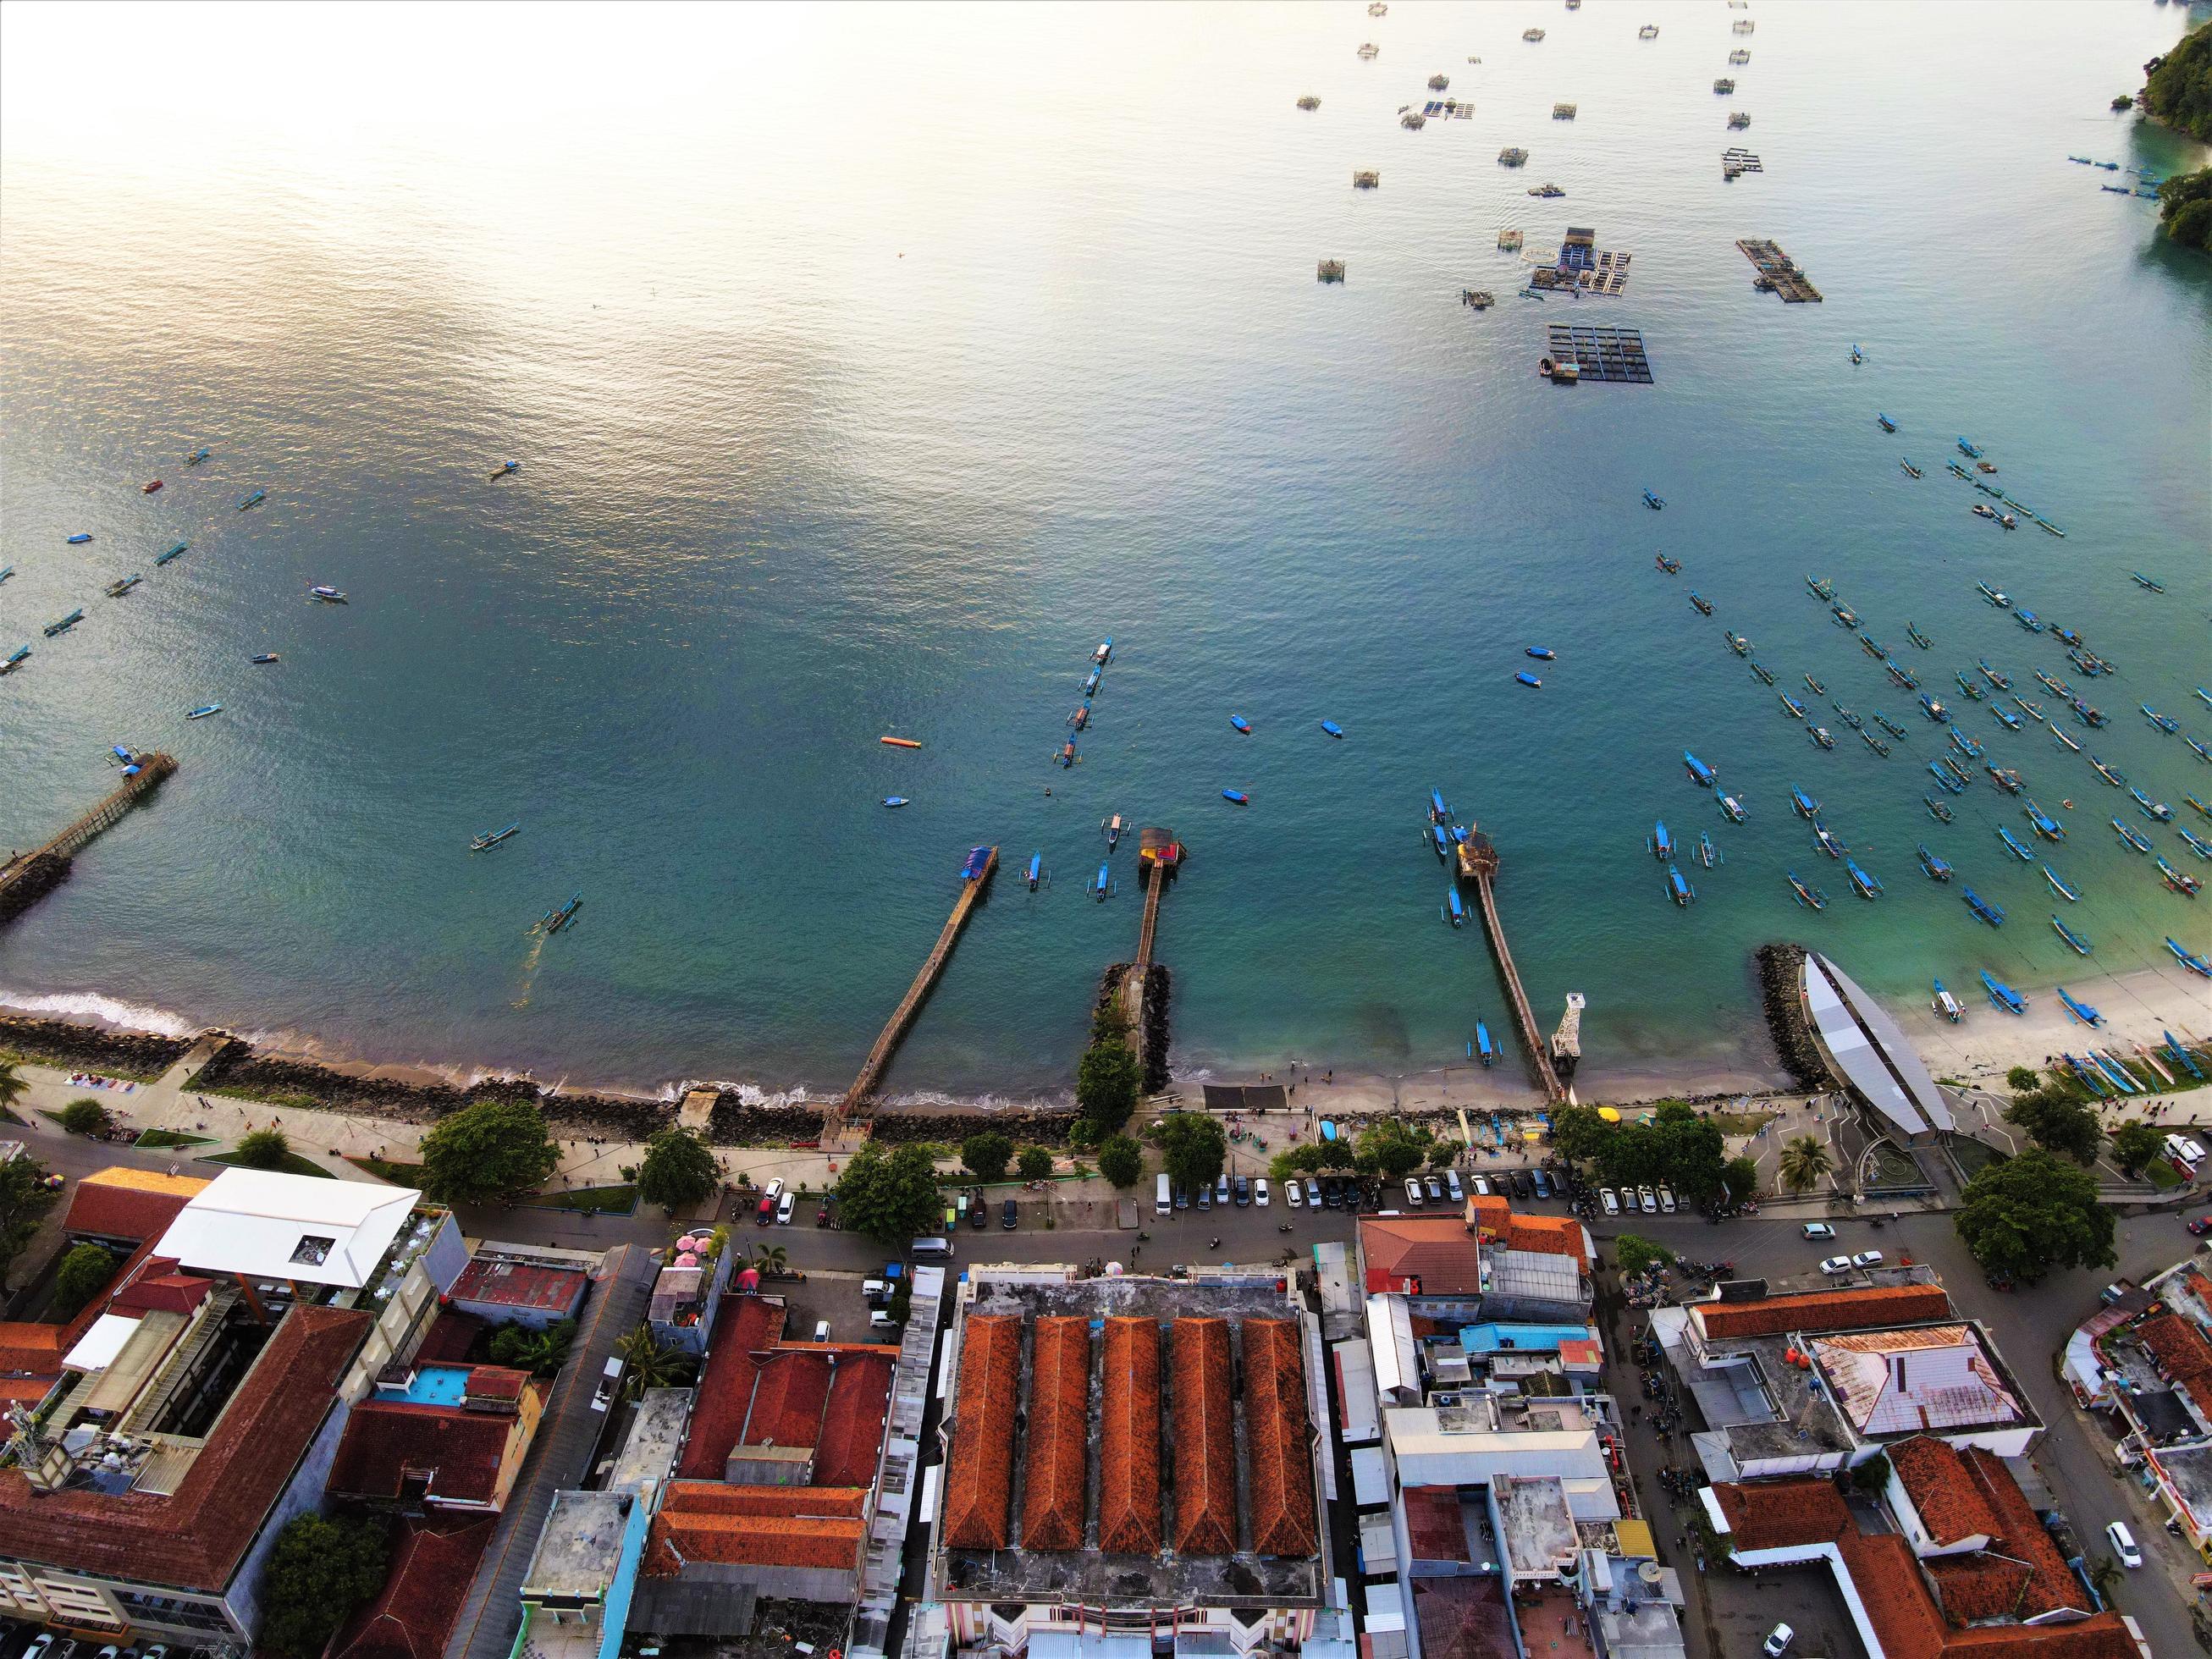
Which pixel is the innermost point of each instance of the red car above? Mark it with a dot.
(2200, 1224)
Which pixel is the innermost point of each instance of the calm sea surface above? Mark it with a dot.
(867, 366)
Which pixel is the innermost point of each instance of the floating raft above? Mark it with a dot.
(1509, 241)
(1511, 156)
(1563, 112)
(1736, 162)
(1601, 353)
(1778, 272)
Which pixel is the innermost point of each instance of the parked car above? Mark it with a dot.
(1866, 1259)
(1204, 1196)
(1006, 1217)
(1294, 1192)
(875, 1289)
(609, 1380)
(1452, 1186)
(1608, 1201)
(764, 1212)
(1518, 1180)
(1815, 1230)
(1313, 1193)
(1434, 1189)
(1244, 1190)
(2200, 1224)
(1183, 1198)
(1541, 1181)
(2123, 1544)
(784, 1206)
(821, 1330)
(2111, 1293)
(774, 1189)
(979, 1213)
(1221, 1190)
(1413, 1192)
(1647, 1201)
(1778, 1640)
(1481, 1185)
(1666, 1199)
(878, 1321)
(39, 1643)
(1835, 1264)
(1259, 1193)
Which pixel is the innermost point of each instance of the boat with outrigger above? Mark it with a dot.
(1995, 596)
(123, 585)
(1875, 744)
(1919, 638)
(1822, 736)
(2043, 823)
(15, 659)
(1887, 724)
(1823, 589)
(1967, 687)
(2081, 1011)
(1454, 907)
(2202, 848)
(1845, 616)
(1950, 785)
(1828, 840)
(1700, 774)
(1970, 747)
(176, 552)
(2130, 835)
(2032, 710)
(1803, 805)
(2197, 748)
(554, 920)
(1910, 470)
(2189, 959)
(2187, 885)
(253, 500)
(2005, 718)
(2017, 848)
(1972, 451)
(491, 838)
(1708, 854)
(2064, 740)
(1037, 876)
(198, 456)
(2202, 809)
(1934, 709)
(1946, 1005)
(1849, 717)
(1672, 567)
(1759, 670)
(1874, 648)
(2143, 582)
(1653, 502)
(1867, 886)
(1737, 643)
(1483, 1046)
(2157, 809)
(1791, 706)
(2082, 946)
(2065, 890)
(1819, 690)
(2005, 778)
(2165, 723)
(2109, 776)
(1806, 895)
(66, 623)
(1936, 810)
(1660, 843)
(1705, 605)
(1887, 425)
(1956, 471)
(1731, 808)
(2003, 997)
(1938, 867)
(1679, 889)
(1992, 913)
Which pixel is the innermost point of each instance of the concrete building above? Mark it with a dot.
(438, 1438)
(2146, 1361)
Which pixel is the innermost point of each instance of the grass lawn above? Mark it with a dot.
(399, 1174)
(1740, 1123)
(2161, 1175)
(589, 1201)
(294, 1164)
(154, 1140)
(297, 1102)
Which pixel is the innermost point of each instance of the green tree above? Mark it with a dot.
(2135, 1143)
(263, 1149)
(1393, 1149)
(1740, 1177)
(1108, 1081)
(987, 1153)
(542, 1351)
(1294, 1161)
(1804, 1161)
(2185, 209)
(25, 1197)
(1121, 1161)
(1580, 1135)
(83, 1273)
(2021, 1079)
(1632, 1253)
(2058, 1123)
(771, 1260)
(679, 1171)
(1871, 1476)
(1035, 1162)
(83, 1117)
(319, 1572)
(12, 1086)
(1192, 1147)
(1691, 1151)
(2178, 90)
(646, 1363)
(891, 1195)
(2123, 100)
(495, 1149)
(2031, 1213)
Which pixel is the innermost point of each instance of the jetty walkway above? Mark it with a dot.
(29, 877)
(1478, 862)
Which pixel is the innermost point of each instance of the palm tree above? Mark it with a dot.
(771, 1260)
(12, 1086)
(1804, 1161)
(648, 1365)
(2105, 1576)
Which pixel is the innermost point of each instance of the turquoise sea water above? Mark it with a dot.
(867, 366)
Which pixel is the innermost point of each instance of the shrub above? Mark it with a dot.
(83, 1117)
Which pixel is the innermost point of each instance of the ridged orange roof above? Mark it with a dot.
(980, 1480)
(1278, 1439)
(1204, 1439)
(1936, 1478)
(714, 1497)
(1778, 1514)
(1823, 1310)
(1129, 1448)
(760, 1541)
(1058, 1433)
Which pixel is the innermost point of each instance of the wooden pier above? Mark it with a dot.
(1159, 855)
(26, 878)
(974, 879)
(1478, 862)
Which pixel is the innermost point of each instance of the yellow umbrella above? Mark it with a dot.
(1532, 1134)
(1610, 1114)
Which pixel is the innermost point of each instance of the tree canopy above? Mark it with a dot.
(83, 1273)
(1393, 1149)
(1108, 1080)
(83, 1117)
(2185, 209)
(492, 1150)
(319, 1572)
(2179, 86)
(986, 1154)
(890, 1195)
(263, 1149)
(25, 1197)
(12, 1085)
(1121, 1161)
(1804, 1161)
(2058, 1122)
(2135, 1143)
(1679, 1147)
(1313, 1157)
(1632, 1253)
(679, 1171)
(2031, 1213)
(1035, 1162)
(1192, 1147)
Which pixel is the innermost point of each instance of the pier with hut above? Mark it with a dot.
(1478, 863)
(26, 878)
(1138, 988)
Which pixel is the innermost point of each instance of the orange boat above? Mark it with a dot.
(900, 743)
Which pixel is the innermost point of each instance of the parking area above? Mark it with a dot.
(831, 1296)
(1742, 1607)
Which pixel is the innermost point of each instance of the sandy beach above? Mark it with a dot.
(2139, 1006)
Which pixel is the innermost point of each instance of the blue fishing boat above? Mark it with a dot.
(2082, 946)
(2003, 683)
(80, 538)
(1992, 913)
(1438, 812)
(1828, 840)
(1240, 724)
(2071, 895)
(178, 552)
(1845, 616)
(1542, 653)
(8, 570)
(1090, 682)
(2117, 1074)
(2081, 1011)
(2142, 581)
(123, 585)
(196, 457)
(2165, 723)
(1761, 671)
(2005, 778)
(1104, 652)
(1796, 710)
(2187, 885)
(1967, 688)
(1803, 804)
(1947, 1004)
(1970, 747)
(1328, 1129)
(1910, 470)
(1672, 567)
(1938, 867)
(2202, 849)
(2068, 634)
(2003, 997)
(2156, 809)
(1485, 1050)
(2032, 710)
(1704, 605)
(1454, 910)
(2190, 959)
(1933, 709)
(1951, 785)
(15, 659)
(2092, 1079)
(66, 623)
(1824, 589)
(1970, 451)
(1527, 680)
(1237, 797)
(2006, 717)
(1919, 638)
(1332, 728)
(491, 838)
(2180, 1056)
(1731, 808)
(1737, 643)
(1822, 736)
(2043, 824)
(1936, 810)
(554, 920)
(2064, 741)
(2202, 809)
(1867, 886)
(1661, 844)
(2130, 836)
(1709, 854)
(1849, 717)
(1887, 425)
(1652, 501)
(1815, 687)
(1679, 889)
(253, 500)
(1036, 870)
(1993, 596)
(2013, 844)
(2028, 620)
(2197, 748)
(1700, 774)
(1874, 648)
(1857, 356)
(1951, 765)
(1887, 724)
(1811, 897)
(895, 800)
(1102, 885)
(2109, 776)
(204, 711)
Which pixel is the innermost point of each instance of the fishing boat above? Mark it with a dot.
(1910, 470)
(1994, 596)
(1111, 828)
(15, 659)
(327, 595)
(2005, 718)
(1947, 1004)
(900, 743)
(147, 490)
(1887, 724)
(204, 711)
(1454, 910)
(1708, 854)
(2032, 710)
(1822, 736)
(1887, 425)
(1104, 652)
(1874, 648)
(1845, 616)
(1936, 810)
(1857, 356)
(2028, 620)
(80, 538)
(2190, 959)
(1970, 451)
(1867, 886)
(1705, 605)
(2014, 845)
(1240, 724)
(1954, 468)
(1993, 914)
(1938, 867)
(1237, 797)
(1485, 1049)
(554, 920)
(1737, 643)
(2003, 997)
(1678, 889)
(2188, 886)
(1527, 680)
(1824, 589)
(123, 585)
(1542, 653)
(1967, 687)
(1849, 717)
(196, 457)
(2197, 748)
(1819, 690)
(1700, 774)
(1652, 501)
(2142, 581)
(2165, 723)
(2180, 1056)
(1760, 668)
(2000, 681)
(1672, 567)
(1079, 718)
(1811, 897)
(253, 500)
(1918, 637)
(2043, 823)
(491, 838)
(1828, 840)
(1796, 710)
(2157, 809)
(1661, 844)
(1951, 786)
(8, 570)
(2005, 778)
(895, 800)
(1933, 709)
(2081, 1011)
(2057, 688)
(178, 552)
(2117, 1074)
(2107, 773)
(2202, 809)
(66, 623)
(1951, 765)
(2065, 634)
(1440, 841)
(2082, 946)
(1875, 744)
(1731, 808)
(2130, 835)
(1970, 747)
(1102, 885)
(1332, 728)
(2064, 741)
(1804, 805)
(266, 657)
(2202, 848)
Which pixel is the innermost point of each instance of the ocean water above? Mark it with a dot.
(868, 366)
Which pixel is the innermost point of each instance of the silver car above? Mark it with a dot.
(1647, 1201)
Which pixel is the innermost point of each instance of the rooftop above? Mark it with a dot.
(1944, 1377)
(656, 1438)
(707, 1522)
(1463, 1618)
(2182, 1352)
(421, 1602)
(1811, 1312)
(1436, 1254)
(758, 1391)
(501, 1281)
(1937, 1482)
(126, 1203)
(1871, 1051)
(580, 1545)
(1539, 1533)
(391, 1448)
(266, 1224)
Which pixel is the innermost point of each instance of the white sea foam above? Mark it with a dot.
(82, 1005)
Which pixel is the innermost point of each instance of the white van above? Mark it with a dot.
(938, 1247)
(784, 1206)
(2123, 1544)
(609, 1380)
(1163, 1197)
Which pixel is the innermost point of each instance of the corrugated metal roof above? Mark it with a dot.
(1871, 1051)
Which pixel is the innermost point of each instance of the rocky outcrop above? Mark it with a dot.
(1781, 969)
(41, 874)
(90, 1048)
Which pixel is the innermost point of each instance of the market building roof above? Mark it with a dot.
(1129, 1445)
(1943, 1378)
(1278, 1438)
(979, 1487)
(1058, 1431)
(127, 1203)
(1810, 1311)
(421, 1602)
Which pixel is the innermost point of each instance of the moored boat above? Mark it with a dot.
(2142, 581)
(1935, 864)
(895, 800)
(2005, 778)
(2106, 773)
(1527, 680)
(1819, 690)
(1993, 596)
(1652, 501)
(1919, 638)
(266, 657)
(1791, 706)
(1951, 785)
(1679, 889)
(1972, 451)
(1947, 1004)
(1822, 736)
(1993, 914)
(1804, 805)
(2202, 848)
(1454, 909)
(2082, 946)
(1661, 844)
(1970, 747)
(1332, 728)
(1810, 896)
(1731, 808)
(2081, 1011)
(1825, 588)
(204, 711)
(1240, 724)
(2132, 837)
(123, 585)
(2071, 894)
(2189, 959)
(2064, 741)
(1672, 567)
(491, 838)
(1237, 797)
(1967, 687)
(2156, 809)
(1111, 828)
(554, 920)
(1737, 643)
(1705, 605)
(253, 500)
(1936, 810)
(1036, 870)
(1867, 886)
(1887, 425)
(1761, 671)
(1933, 709)
(1887, 724)
(2165, 723)
(1708, 854)
(1828, 840)
(2005, 718)
(178, 552)
(2032, 710)
(2014, 845)
(1700, 774)
(196, 457)
(2043, 823)
(1910, 470)
(66, 623)
(1875, 744)
(2003, 997)
(15, 659)
(2188, 886)
(327, 595)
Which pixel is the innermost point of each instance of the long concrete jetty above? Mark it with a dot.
(1478, 862)
(26, 878)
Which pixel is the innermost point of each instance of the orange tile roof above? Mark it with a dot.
(1822, 1311)
(979, 1487)
(1204, 1439)
(1129, 1447)
(1776, 1514)
(717, 1498)
(1058, 1433)
(1435, 1253)
(2181, 1349)
(1942, 1490)
(2053, 1586)
(1889, 1585)
(680, 1539)
(134, 1204)
(1549, 1235)
(1279, 1439)
(789, 1388)
(1434, 1525)
(743, 1326)
(855, 1419)
(421, 1602)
